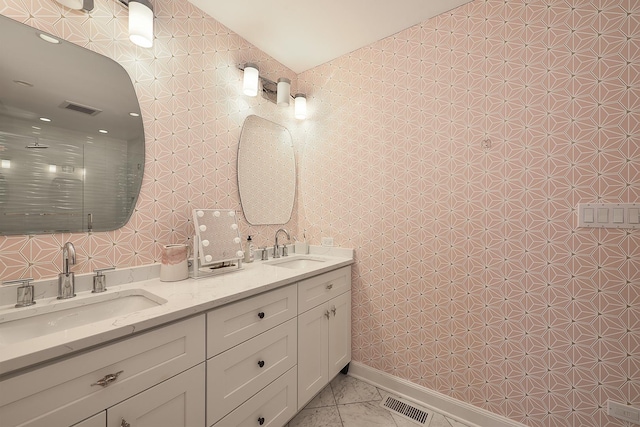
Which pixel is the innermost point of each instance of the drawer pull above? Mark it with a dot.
(330, 286)
(333, 310)
(124, 423)
(261, 315)
(261, 363)
(261, 420)
(108, 379)
(326, 313)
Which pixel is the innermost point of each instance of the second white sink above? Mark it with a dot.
(296, 262)
(45, 319)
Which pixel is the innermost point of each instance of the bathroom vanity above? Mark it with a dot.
(249, 348)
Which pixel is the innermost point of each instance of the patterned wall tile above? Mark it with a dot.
(471, 276)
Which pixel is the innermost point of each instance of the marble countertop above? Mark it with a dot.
(184, 298)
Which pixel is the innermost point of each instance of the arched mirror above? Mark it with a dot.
(71, 136)
(266, 172)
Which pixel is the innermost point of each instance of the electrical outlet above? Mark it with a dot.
(624, 412)
(327, 241)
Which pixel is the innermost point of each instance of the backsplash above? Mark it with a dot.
(190, 95)
(471, 275)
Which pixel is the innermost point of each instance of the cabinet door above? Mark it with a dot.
(98, 420)
(313, 364)
(339, 333)
(177, 402)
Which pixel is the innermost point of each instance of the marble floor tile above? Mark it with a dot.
(348, 402)
(324, 398)
(455, 423)
(403, 422)
(347, 389)
(439, 420)
(327, 416)
(368, 414)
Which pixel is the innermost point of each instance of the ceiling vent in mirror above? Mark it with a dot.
(85, 109)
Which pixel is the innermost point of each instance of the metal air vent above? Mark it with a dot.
(406, 410)
(84, 109)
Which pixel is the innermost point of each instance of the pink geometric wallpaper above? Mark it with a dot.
(472, 277)
(189, 90)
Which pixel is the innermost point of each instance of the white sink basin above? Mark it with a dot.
(296, 262)
(58, 315)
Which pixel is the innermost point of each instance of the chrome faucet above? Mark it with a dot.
(276, 249)
(66, 279)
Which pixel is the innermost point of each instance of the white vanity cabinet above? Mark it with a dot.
(252, 362)
(65, 392)
(324, 331)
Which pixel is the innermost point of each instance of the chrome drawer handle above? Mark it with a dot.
(124, 423)
(261, 420)
(326, 313)
(261, 363)
(261, 315)
(333, 310)
(108, 379)
(330, 286)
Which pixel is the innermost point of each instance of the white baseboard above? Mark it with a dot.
(436, 401)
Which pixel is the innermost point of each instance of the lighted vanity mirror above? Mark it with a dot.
(266, 172)
(71, 136)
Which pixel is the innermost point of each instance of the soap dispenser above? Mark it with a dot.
(249, 253)
(100, 280)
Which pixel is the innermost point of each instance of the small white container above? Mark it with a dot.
(302, 248)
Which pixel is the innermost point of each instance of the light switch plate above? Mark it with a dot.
(609, 215)
(623, 412)
(327, 241)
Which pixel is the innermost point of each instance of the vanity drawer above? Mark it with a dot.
(276, 404)
(236, 375)
(61, 393)
(319, 289)
(234, 323)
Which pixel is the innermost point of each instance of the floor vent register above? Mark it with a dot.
(406, 410)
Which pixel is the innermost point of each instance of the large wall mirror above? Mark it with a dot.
(71, 136)
(266, 172)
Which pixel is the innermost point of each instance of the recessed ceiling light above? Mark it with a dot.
(48, 38)
(5, 164)
(52, 168)
(134, 114)
(44, 119)
(103, 131)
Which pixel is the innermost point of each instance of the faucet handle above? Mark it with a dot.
(100, 280)
(25, 291)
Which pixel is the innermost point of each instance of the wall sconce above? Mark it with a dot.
(140, 22)
(251, 79)
(279, 93)
(284, 92)
(300, 108)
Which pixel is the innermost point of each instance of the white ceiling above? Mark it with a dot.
(302, 34)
